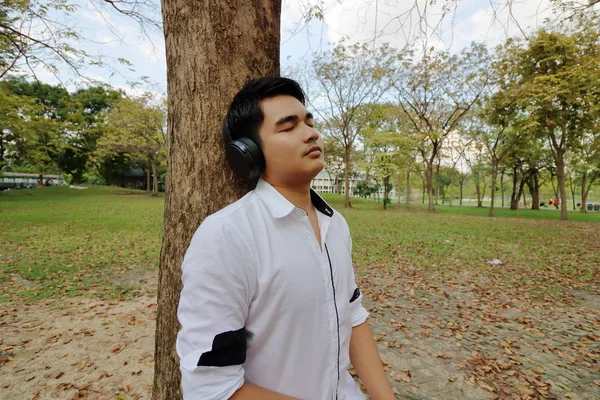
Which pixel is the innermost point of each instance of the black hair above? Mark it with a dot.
(245, 114)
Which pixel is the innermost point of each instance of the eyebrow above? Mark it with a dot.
(292, 118)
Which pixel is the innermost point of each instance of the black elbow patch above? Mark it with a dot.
(355, 295)
(228, 348)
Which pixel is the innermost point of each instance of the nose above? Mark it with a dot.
(311, 134)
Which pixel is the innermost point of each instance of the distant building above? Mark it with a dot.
(325, 183)
(14, 180)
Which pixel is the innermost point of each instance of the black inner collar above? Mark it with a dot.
(320, 204)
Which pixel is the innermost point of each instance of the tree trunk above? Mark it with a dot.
(429, 183)
(347, 178)
(154, 177)
(437, 182)
(502, 186)
(480, 193)
(517, 192)
(560, 177)
(534, 189)
(493, 195)
(572, 190)
(584, 193)
(1, 150)
(450, 189)
(147, 180)
(462, 183)
(521, 191)
(408, 186)
(386, 196)
(554, 190)
(212, 48)
(106, 174)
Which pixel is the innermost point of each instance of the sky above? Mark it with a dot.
(396, 22)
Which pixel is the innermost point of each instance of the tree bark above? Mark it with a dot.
(408, 185)
(554, 190)
(493, 189)
(386, 191)
(583, 193)
(533, 183)
(212, 48)
(429, 182)
(462, 183)
(147, 180)
(572, 190)
(502, 186)
(1, 150)
(560, 177)
(480, 193)
(347, 178)
(154, 177)
(437, 182)
(585, 190)
(517, 192)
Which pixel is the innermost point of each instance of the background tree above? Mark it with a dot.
(381, 141)
(557, 91)
(334, 161)
(587, 165)
(435, 92)
(136, 128)
(478, 162)
(15, 131)
(342, 81)
(83, 125)
(39, 137)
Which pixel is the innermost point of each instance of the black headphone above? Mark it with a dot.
(245, 158)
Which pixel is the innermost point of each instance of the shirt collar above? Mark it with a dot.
(280, 207)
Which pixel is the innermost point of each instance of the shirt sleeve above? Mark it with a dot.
(358, 312)
(213, 307)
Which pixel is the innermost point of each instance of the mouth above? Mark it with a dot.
(313, 151)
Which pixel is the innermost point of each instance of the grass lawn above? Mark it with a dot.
(539, 253)
(64, 242)
(58, 241)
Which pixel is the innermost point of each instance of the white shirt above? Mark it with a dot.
(258, 304)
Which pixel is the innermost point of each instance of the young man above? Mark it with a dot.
(269, 307)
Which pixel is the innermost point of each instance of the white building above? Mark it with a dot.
(325, 183)
(10, 180)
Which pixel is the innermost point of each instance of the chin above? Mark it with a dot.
(315, 171)
(306, 175)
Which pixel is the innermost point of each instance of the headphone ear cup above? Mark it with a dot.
(245, 158)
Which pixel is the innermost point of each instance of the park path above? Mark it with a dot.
(457, 339)
(465, 338)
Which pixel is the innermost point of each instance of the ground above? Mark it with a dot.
(462, 306)
(447, 341)
(77, 349)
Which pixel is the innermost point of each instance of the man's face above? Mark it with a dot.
(292, 147)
